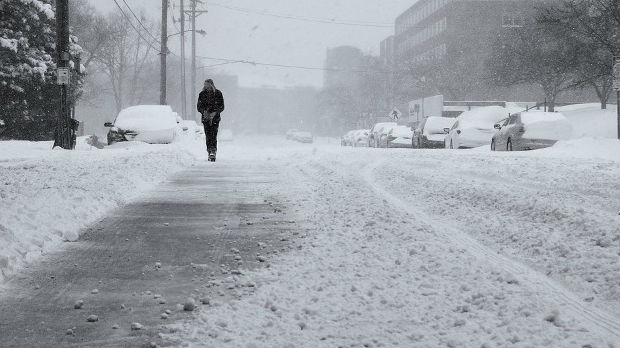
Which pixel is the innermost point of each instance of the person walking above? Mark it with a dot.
(210, 105)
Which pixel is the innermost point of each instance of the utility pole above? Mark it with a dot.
(193, 15)
(192, 89)
(164, 52)
(183, 90)
(616, 86)
(64, 132)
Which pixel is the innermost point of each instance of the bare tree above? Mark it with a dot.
(595, 25)
(533, 54)
(125, 59)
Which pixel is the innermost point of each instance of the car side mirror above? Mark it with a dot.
(108, 124)
(446, 130)
(497, 126)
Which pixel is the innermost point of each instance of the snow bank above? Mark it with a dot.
(590, 121)
(587, 148)
(546, 125)
(47, 196)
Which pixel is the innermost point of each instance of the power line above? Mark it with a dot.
(243, 61)
(140, 22)
(134, 27)
(304, 19)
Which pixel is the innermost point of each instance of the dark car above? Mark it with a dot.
(530, 131)
(430, 132)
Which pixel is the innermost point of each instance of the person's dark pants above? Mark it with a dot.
(211, 135)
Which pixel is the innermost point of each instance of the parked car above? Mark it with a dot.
(346, 139)
(154, 124)
(430, 132)
(302, 137)
(289, 133)
(530, 130)
(375, 133)
(475, 128)
(383, 135)
(189, 128)
(399, 136)
(360, 138)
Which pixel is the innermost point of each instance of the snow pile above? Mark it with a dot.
(589, 120)
(47, 196)
(586, 148)
(546, 125)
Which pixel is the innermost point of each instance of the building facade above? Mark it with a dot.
(459, 34)
(340, 65)
(434, 28)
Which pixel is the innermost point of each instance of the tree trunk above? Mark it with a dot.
(603, 93)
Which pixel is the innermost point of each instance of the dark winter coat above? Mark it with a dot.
(211, 101)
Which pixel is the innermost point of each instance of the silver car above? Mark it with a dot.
(530, 131)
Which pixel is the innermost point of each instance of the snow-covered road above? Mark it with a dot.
(437, 248)
(394, 247)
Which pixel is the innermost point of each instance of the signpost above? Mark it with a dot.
(395, 114)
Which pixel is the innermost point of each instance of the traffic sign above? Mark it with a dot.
(395, 114)
(63, 76)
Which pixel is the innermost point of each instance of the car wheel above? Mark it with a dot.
(451, 145)
(509, 145)
(492, 145)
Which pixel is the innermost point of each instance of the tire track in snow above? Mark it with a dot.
(595, 320)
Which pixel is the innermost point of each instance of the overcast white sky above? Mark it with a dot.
(236, 34)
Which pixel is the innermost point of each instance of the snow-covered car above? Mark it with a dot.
(374, 134)
(347, 138)
(475, 128)
(290, 132)
(225, 135)
(531, 130)
(383, 135)
(430, 132)
(302, 137)
(398, 136)
(360, 138)
(154, 124)
(189, 128)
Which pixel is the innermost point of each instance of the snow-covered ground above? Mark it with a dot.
(424, 248)
(395, 247)
(47, 196)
